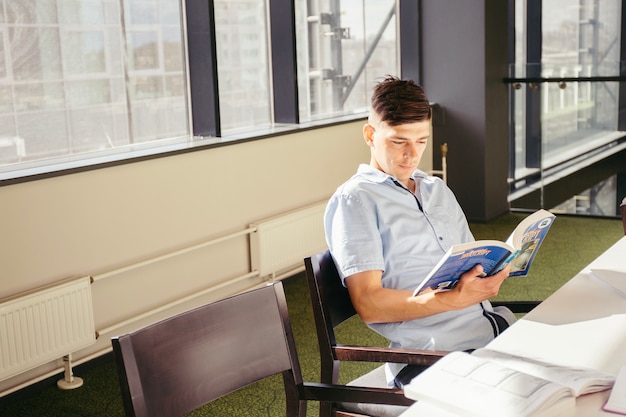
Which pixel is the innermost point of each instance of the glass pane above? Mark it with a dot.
(87, 92)
(519, 99)
(173, 52)
(35, 53)
(578, 40)
(88, 12)
(140, 12)
(76, 78)
(31, 12)
(44, 133)
(84, 52)
(599, 200)
(143, 50)
(38, 96)
(6, 99)
(243, 64)
(11, 146)
(343, 48)
(560, 124)
(3, 68)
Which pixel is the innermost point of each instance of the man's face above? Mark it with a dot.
(397, 150)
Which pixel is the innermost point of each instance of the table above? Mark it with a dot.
(585, 322)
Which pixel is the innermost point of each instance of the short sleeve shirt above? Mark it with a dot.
(373, 222)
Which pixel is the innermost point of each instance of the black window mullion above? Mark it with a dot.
(410, 41)
(284, 62)
(533, 91)
(202, 61)
(621, 115)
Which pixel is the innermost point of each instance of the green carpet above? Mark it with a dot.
(572, 243)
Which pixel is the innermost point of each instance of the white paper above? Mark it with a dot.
(612, 278)
(588, 344)
(617, 399)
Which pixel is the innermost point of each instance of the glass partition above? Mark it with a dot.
(564, 109)
(562, 123)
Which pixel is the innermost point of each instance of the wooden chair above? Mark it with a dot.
(331, 307)
(179, 364)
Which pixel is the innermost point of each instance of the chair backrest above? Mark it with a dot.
(327, 283)
(331, 306)
(178, 364)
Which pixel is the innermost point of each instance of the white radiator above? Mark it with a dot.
(41, 326)
(281, 243)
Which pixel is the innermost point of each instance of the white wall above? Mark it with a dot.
(92, 222)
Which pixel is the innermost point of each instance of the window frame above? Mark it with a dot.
(199, 43)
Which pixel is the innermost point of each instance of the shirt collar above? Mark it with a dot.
(377, 176)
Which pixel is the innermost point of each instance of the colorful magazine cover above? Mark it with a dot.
(519, 251)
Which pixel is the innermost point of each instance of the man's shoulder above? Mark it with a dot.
(359, 186)
(365, 176)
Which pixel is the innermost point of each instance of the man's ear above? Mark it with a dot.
(368, 134)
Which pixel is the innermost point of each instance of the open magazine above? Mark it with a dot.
(519, 250)
(488, 383)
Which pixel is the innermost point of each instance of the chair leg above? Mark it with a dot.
(326, 409)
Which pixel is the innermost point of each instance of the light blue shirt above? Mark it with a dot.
(373, 222)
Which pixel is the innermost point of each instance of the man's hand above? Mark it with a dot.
(474, 287)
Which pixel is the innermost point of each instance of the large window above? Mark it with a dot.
(84, 81)
(243, 64)
(83, 76)
(562, 125)
(343, 48)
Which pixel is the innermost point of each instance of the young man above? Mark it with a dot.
(390, 223)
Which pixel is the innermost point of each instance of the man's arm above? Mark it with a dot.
(376, 304)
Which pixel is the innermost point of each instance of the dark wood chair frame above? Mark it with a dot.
(183, 362)
(332, 306)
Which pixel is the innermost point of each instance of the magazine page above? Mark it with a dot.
(460, 259)
(526, 239)
(579, 380)
(519, 250)
(460, 382)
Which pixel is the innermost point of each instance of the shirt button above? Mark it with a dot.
(440, 238)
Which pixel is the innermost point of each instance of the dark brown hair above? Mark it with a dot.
(397, 102)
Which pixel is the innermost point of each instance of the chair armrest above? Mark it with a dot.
(353, 394)
(387, 354)
(517, 306)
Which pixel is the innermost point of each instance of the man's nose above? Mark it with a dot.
(411, 151)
